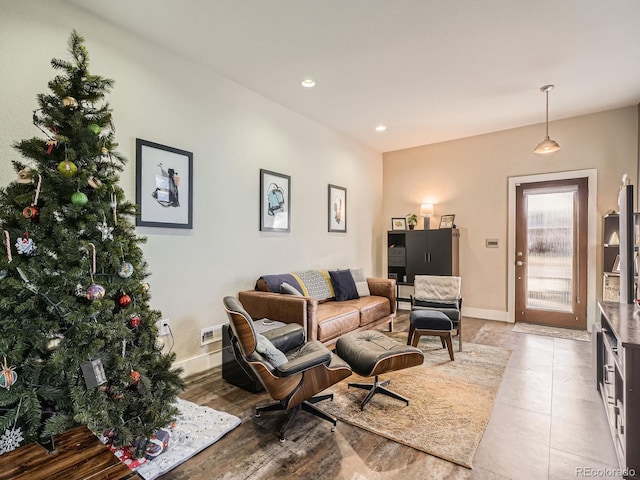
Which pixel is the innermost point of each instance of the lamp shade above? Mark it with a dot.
(547, 146)
(426, 209)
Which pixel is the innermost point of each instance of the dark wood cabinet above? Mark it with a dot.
(422, 252)
(617, 370)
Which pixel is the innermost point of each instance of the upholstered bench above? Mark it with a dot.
(430, 322)
(371, 353)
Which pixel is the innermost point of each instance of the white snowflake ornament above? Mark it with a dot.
(105, 230)
(10, 440)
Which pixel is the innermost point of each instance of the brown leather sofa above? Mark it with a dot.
(325, 320)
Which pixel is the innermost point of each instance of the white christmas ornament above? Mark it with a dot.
(10, 440)
(105, 230)
(25, 246)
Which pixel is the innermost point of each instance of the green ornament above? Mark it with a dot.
(94, 127)
(67, 168)
(79, 198)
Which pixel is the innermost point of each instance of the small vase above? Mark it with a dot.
(411, 227)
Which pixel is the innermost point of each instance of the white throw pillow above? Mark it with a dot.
(361, 282)
(271, 353)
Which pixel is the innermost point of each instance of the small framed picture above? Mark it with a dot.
(275, 202)
(164, 186)
(337, 209)
(446, 221)
(399, 223)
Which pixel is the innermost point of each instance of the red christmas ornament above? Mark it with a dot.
(30, 212)
(135, 377)
(124, 300)
(134, 321)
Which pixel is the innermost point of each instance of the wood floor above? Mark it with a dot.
(76, 454)
(547, 422)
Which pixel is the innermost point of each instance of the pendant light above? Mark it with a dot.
(547, 146)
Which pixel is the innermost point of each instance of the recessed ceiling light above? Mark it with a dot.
(381, 128)
(308, 83)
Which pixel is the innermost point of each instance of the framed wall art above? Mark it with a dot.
(446, 221)
(275, 202)
(164, 185)
(337, 209)
(399, 223)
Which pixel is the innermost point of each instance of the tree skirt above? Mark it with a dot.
(195, 429)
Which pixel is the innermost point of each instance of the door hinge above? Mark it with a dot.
(577, 299)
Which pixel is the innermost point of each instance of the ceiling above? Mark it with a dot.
(430, 70)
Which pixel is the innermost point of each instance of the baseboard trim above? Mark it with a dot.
(485, 314)
(481, 313)
(199, 364)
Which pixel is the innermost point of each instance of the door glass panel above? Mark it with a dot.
(550, 238)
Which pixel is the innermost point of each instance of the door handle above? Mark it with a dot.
(519, 263)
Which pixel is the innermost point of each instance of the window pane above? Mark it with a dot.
(550, 251)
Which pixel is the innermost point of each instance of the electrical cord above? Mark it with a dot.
(173, 340)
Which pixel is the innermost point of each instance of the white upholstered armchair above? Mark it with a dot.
(442, 294)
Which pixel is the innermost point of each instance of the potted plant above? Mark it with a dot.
(412, 220)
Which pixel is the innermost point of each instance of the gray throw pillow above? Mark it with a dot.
(289, 289)
(271, 353)
(361, 282)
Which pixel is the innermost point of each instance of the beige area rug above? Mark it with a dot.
(567, 333)
(450, 402)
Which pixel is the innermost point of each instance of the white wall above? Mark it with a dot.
(232, 132)
(470, 178)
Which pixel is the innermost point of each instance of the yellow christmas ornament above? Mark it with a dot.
(70, 103)
(67, 168)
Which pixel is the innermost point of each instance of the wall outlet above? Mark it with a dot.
(210, 334)
(163, 327)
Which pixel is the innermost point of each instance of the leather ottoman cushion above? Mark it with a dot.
(371, 352)
(371, 308)
(335, 319)
(430, 320)
(451, 310)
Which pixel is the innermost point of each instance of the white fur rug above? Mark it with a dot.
(195, 429)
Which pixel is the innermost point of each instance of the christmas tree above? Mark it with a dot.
(78, 340)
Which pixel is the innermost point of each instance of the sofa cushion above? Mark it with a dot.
(343, 285)
(315, 284)
(271, 283)
(289, 289)
(371, 308)
(335, 319)
(311, 283)
(361, 282)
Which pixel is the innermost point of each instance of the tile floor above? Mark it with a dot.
(548, 420)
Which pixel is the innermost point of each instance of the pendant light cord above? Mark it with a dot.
(547, 134)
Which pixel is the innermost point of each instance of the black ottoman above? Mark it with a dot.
(430, 322)
(371, 353)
